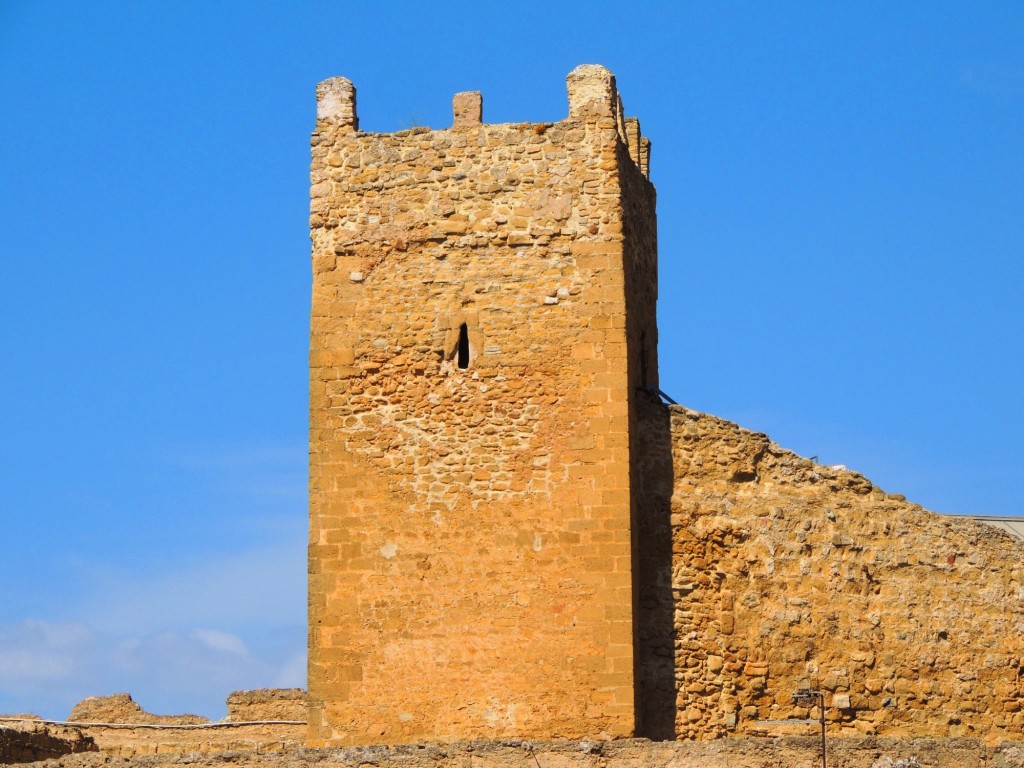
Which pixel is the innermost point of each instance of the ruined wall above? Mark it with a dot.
(122, 708)
(790, 752)
(786, 573)
(265, 720)
(29, 742)
(267, 704)
(184, 739)
(470, 552)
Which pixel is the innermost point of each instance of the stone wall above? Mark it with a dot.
(267, 704)
(27, 742)
(181, 740)
(470, 500)
(786, 573)
(791, 752)
(266, 720)
(122, 708)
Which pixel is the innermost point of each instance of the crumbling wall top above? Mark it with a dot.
(592, 92)
(336, 102)
(467, 109)
(592, 95)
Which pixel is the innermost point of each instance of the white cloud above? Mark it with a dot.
(33, 651)
(180, 633)
(64, 635)
(21, 664)
(46, 668)
(221, 641)
(264, 586)
(179, 641)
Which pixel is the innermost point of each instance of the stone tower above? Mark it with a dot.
(483, 324)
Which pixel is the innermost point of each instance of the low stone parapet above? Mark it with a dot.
(29, 739)
(266, 720)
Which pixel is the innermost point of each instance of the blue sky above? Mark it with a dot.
(841, 223)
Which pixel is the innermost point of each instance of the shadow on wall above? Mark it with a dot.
(653, 482)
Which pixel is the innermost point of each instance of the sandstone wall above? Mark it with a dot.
(786, 573)
(470, 551)
(266, 720)
(122, 708)
(27, 742)
(267, 704)
(138, 740)
(736, 753)
(655, 703)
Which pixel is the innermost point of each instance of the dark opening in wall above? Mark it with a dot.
(462, 353)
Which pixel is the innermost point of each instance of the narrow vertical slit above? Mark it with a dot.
(463, 349)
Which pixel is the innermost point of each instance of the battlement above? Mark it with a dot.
(592, 92)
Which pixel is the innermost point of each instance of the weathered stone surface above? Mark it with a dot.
(336, 103)
(122, 708)
(117, 725)
(592, 92)
(467, 108)
(267, 704)
(795, 752)
(910, 622)
(470, 423)
(28, 742)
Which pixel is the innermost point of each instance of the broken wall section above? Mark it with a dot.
(28, 741)
(787, 573)
(265, 720)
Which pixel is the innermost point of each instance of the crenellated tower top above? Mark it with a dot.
(482, 330)
(592, 95)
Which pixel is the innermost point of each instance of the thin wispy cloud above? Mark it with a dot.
(264, 585)
(212, 603)
(47, 667)
(179, 639)
(263, 473)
